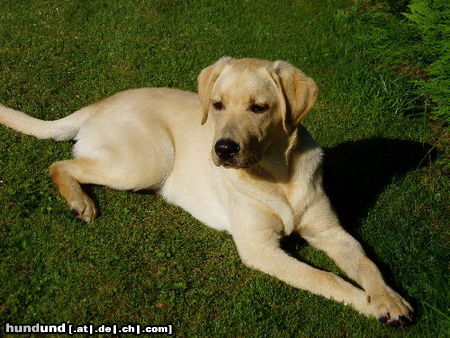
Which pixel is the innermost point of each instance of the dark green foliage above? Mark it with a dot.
(432, 18)
(413, 37)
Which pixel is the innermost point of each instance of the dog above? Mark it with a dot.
(234, 156)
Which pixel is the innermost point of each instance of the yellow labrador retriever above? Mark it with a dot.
(235, 157)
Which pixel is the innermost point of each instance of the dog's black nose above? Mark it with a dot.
(226, 149)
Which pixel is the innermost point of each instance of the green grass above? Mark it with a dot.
(144, 261)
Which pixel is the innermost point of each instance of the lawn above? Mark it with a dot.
(144, 261)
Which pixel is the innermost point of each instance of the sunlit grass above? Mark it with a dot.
(147, 262)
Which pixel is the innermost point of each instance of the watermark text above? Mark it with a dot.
(90, 329)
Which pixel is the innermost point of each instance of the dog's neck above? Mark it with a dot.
(283, 155)
(276, 164)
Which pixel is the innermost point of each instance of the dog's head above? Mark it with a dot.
(253, 102)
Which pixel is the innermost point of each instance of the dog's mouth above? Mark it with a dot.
(229, 165)
(236, 163)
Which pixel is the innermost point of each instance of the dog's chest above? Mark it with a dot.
(254, 199)
(199, 197)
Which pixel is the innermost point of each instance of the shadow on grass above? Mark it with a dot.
(356, 173)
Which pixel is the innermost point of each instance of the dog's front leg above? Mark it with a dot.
(321, 228)
(257, 234)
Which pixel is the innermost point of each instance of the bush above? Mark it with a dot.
(431, 18)
(414, 39)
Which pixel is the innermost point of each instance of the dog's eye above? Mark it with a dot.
(256, 108)
(218, 105)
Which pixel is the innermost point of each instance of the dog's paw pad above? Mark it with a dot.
(401, 321)
(75, 212)
(84, 209)
(390, 308)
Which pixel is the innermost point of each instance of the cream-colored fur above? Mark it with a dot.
(165, 139)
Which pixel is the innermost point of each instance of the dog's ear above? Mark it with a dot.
(298, 93)
(206, 81)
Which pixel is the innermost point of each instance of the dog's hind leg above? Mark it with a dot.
(115, 169)
(67, 176)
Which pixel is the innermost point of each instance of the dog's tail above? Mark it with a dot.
(62, 129)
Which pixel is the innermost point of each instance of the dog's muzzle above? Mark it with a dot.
(226, 150)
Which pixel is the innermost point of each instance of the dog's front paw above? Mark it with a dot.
(390, 308)
(83, 208)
